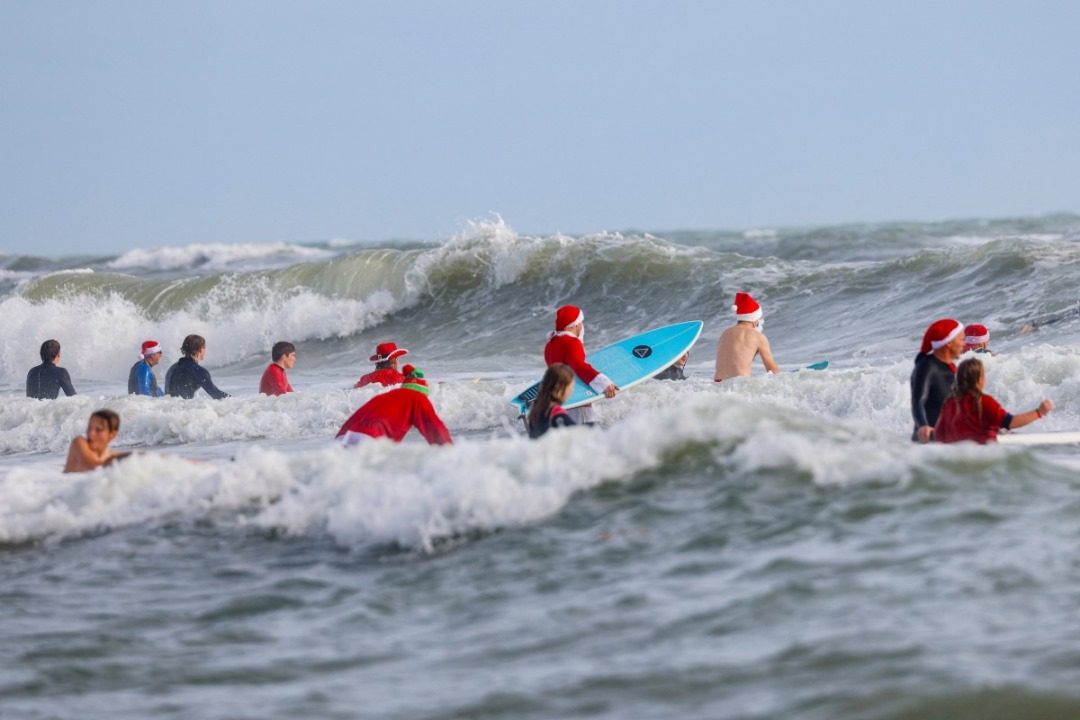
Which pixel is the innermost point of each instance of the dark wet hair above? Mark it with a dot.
(966, 382)
(111, 418)
(193, 344)
(49, 350)
(557, 376)
(281, 349)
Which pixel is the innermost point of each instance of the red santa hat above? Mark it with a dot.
(150, 347)
(940, 334)
(976, 335)
(387, 351)
(746, 308)
(567, 317)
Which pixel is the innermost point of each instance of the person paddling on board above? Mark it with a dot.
(933, 375)
(969, 414)
(393, 413)
(566, 345)
(977, 339)
(141, 379)
(274, 380)
(743, 341)
(92, 451)
(386, 366)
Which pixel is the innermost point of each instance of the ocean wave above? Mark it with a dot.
(217, 256)
(833, 428)
(495, 290)
(416, 496)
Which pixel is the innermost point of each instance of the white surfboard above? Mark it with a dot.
(1065, 437)
(627, 362)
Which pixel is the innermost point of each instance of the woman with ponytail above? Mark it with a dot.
(555, 388)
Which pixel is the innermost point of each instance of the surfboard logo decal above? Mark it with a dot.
(642, 351)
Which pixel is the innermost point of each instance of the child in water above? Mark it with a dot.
(92, 451)
(555, 388)
(968, 414)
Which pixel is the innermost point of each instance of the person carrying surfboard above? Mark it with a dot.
(566, 346)
(970, 414)
(743, 341)
(933, 375)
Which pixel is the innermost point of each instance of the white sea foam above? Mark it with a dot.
(845, 425)
(216, 256)
(415, 495)
(100, 337)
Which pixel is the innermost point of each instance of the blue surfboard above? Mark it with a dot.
(627, 362)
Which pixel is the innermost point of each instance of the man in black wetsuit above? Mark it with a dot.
(932, 378)
(675, 371)
(187, 375)
(45, 381)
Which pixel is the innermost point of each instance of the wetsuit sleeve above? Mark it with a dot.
(430, 426)
(31, 383)
(561, 418)
(203, 376)
(920, 393)
(65, 382)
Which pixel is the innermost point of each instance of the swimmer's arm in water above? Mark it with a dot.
(83, 458)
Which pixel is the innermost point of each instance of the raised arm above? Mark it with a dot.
(1021, 419)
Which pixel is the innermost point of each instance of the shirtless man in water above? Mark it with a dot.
(741, 343)
(92, 451)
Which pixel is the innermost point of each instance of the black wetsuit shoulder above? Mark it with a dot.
(186, 376)
(672, 373)
(557, 417)
(45, 381)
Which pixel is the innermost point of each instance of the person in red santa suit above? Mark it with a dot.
(566, 345)
(743, 341)
(393, 413)
(933, 375)
(386, 366)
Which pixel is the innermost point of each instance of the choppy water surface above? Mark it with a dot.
(773, 547)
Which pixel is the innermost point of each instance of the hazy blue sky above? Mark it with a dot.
(141, 124)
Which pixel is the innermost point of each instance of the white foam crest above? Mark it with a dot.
(509, 255)
(42, 504)
(416, 495)
(760, 234)
(39, 426)
(215, 256)
(100, 337)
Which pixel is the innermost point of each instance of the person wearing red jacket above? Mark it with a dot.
(274, 380)
(971, 414)
(393, 413)
(386, 366)
(566, 345)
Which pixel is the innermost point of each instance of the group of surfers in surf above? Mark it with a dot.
(948, 402)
